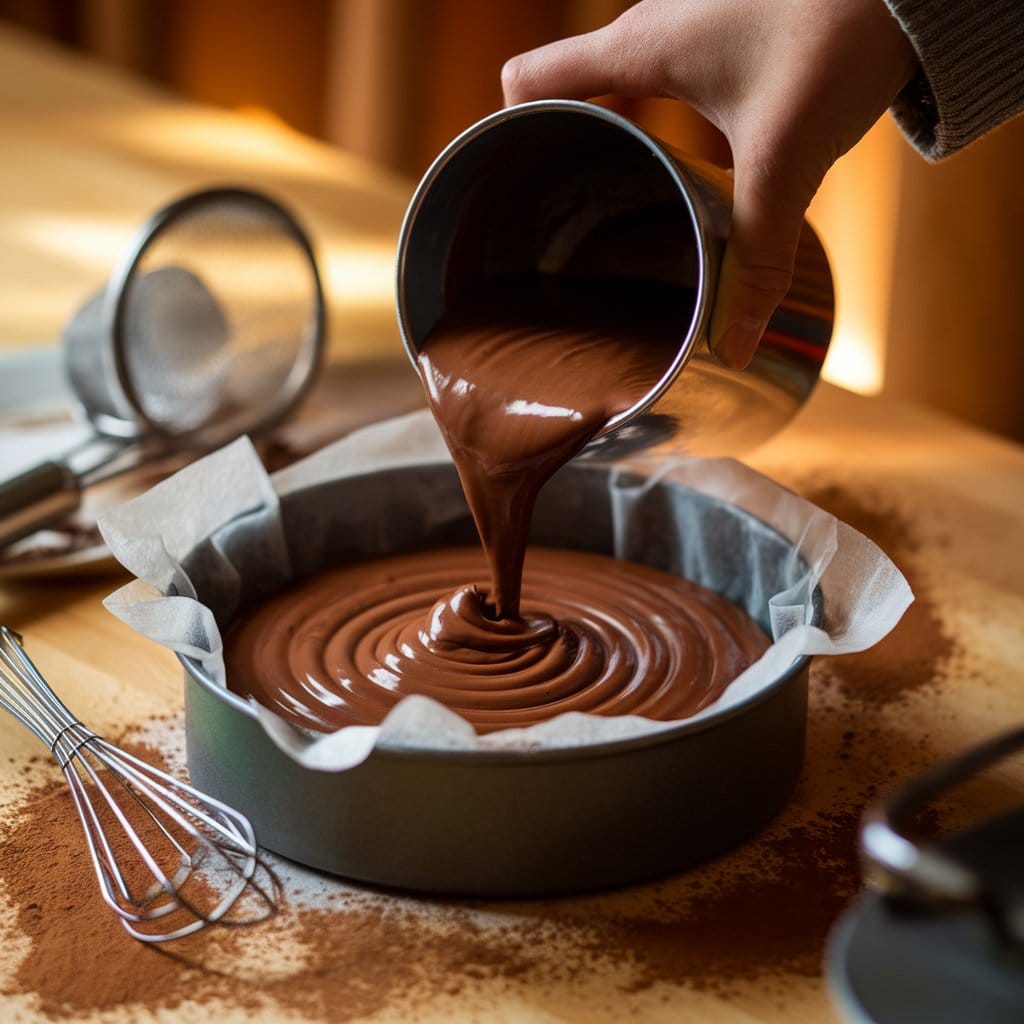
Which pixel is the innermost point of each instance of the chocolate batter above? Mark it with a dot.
(520, 376)
(597, 635)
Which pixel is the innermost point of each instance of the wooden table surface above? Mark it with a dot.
(87, 155)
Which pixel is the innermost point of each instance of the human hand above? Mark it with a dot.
(792, 84)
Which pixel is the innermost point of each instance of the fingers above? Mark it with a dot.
(619, 59)
(757, 268)
(662, 49)
(569, 69)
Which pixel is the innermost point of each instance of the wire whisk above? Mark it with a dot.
(169, 859)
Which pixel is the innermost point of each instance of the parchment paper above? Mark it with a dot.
(864, 593)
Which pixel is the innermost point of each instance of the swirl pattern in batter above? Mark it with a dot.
(595, 634)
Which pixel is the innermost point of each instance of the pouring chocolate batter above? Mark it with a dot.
(520, 376)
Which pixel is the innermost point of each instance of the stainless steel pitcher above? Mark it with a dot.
(563, 187)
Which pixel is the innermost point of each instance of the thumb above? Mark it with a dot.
(757, 268)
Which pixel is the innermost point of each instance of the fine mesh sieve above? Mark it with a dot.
(210, 327)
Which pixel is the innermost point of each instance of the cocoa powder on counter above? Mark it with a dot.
(756, 917)
(916, 655)
(763, 910)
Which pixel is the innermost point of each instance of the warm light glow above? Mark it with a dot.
(359, 274)
(82, 240)
(62, 258)
(856, 213)
(230, 144)
(251, 147)
(259, 114)
(359, 284)
(854, 362)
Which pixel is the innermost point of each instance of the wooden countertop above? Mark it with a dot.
(87, 155)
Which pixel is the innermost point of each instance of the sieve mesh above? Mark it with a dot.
(219, 318)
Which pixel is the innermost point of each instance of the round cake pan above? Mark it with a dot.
(513, 823)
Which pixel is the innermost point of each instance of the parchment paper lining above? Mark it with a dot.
(186, 515)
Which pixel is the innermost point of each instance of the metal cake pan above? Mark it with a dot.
(512, 823)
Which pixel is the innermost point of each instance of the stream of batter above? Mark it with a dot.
(520, 377)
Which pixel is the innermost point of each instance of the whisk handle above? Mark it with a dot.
(36, 498)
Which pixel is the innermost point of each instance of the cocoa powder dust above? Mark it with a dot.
(917, 654)
(763, 910)
(754, 919)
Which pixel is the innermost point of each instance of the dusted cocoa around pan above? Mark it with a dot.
(595, 634)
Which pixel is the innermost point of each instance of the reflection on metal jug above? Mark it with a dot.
(569, 188)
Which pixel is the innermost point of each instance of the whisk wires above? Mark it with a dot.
(168, 858)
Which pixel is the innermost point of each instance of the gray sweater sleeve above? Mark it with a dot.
(972, 70)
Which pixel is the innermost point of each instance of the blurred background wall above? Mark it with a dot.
(927, 259)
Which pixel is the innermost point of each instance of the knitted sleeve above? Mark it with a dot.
(972, 70)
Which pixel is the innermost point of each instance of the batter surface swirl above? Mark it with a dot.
(595, 634)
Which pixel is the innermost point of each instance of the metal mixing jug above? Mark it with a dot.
(563, 187)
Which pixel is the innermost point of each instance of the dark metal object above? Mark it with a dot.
(942, 940)
(510, 823)
(563, 187)
(929, 876)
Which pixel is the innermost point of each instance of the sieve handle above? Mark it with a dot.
(39, 497)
